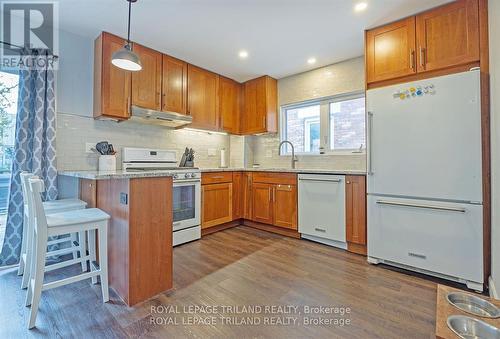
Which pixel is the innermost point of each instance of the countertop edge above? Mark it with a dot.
(283, 170)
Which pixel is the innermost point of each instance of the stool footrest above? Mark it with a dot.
(70, 280)
(62, 251)
(66, 263)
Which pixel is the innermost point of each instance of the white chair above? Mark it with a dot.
(76, 246)
(90, 220)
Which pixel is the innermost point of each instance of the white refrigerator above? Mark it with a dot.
(424, 179)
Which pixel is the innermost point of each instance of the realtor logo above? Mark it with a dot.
(27, 24)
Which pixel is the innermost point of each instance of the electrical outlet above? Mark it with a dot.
(123, 198)
(88, 147)
(212, 152)
(269, 153)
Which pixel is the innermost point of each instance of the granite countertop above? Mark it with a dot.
(285, 170)
(118, 174)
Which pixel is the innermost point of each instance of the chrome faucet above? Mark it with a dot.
(294, 158)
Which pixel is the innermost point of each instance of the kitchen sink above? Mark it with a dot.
(473, 305)
(468, 328)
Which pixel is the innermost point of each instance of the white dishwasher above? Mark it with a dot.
(321, 201)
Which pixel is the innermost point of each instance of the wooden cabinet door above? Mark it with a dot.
(238, 203)
(448, 35)
(262, 205)
(253, 117)
(112, 95)
(390, 51)
(146, 83)
(285, 206)
(229, 105)
(217, 202)
(174, 85)
(356, 209)
(202, 98)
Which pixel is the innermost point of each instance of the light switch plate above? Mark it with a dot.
(269, 153)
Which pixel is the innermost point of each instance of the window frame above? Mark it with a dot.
(325, 127)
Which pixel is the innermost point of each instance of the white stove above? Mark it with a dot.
(186, 196)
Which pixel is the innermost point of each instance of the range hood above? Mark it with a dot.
(152, 117)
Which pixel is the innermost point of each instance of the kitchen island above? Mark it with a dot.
(140, 230)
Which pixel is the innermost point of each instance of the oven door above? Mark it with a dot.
(186, 204)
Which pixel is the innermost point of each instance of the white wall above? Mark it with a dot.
(343, 77)
(494, 34)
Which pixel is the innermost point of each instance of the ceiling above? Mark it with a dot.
(279, 35)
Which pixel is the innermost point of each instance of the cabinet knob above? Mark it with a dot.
(348, 182)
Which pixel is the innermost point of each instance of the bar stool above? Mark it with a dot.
(54, 206)
(89, 220)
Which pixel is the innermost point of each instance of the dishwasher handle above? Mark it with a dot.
(321, 180)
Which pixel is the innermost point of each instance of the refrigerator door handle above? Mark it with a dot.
(432, 207)
(370, 147)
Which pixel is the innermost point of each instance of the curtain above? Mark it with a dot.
(35, 141)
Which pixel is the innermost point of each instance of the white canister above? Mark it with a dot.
(107, 163)
(223, 159)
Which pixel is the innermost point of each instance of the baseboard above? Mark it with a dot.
(493, 290)
(273, 229)
(221, 227)
(356, 248)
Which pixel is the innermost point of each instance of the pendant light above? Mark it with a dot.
(125, 58)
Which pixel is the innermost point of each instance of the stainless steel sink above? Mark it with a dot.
(468, 328)
(474, 305)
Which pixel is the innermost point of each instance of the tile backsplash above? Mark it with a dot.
(265, 153)
(73, 131)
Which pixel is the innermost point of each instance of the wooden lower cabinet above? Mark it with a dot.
(217, 201)
(356, 213)
(247, 195)
(285, 206)
(238, 204)
(262, 203)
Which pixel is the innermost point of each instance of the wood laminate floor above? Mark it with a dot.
(239, 267)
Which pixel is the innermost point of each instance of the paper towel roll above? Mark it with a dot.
(223, 160)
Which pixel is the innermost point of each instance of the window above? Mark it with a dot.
(347, 124)
(302, 128)
(8, 111)
(328, 125)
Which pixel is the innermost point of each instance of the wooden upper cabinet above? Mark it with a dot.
(217, 204)
(356, 213)
(260, 106)
(202, 98)
(146, 83)
(285, 206)
(448, 35)
(112, 85)
(390, 51)
(174, 85)
(229, 105)
(442, 40)
(262, 205)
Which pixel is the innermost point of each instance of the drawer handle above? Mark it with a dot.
(322, 180)
(320, 230)
(430, 207)
(218, 177)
